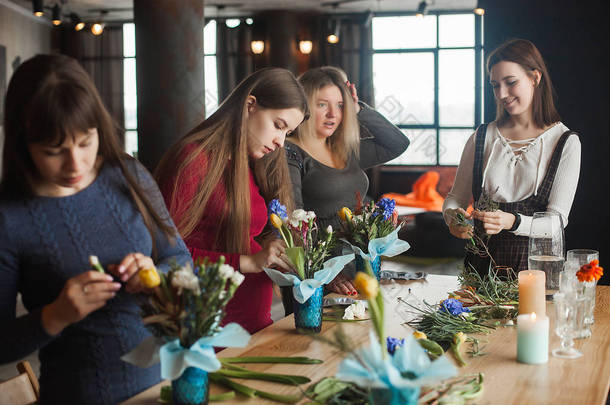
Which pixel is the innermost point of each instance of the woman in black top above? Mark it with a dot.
(327, 154)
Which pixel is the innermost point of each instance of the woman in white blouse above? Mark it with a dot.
(526, 160)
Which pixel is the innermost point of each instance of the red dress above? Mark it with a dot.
(251, 305)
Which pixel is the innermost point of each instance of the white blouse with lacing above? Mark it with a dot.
(514, 170)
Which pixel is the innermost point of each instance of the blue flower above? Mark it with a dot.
(393, 343)
(453, 307)
(386, 205)
(278, 209)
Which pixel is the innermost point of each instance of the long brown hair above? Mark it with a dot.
(222, 138)
(49, 98)
(346, 139)
(525, 53)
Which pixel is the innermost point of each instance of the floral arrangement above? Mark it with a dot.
(184, 312)
(391, 371)
(307, 249)
(369, 222)
(590, 272)
(307, 246)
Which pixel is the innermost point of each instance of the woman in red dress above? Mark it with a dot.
(217, 181)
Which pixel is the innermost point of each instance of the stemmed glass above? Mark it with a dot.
(575, 258)
(546, 247)
(569, 319)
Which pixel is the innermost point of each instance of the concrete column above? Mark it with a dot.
(169, 58)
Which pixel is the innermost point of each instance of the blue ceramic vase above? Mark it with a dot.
(308, 315)
(191, 388)
(375, 265)
(387, 396)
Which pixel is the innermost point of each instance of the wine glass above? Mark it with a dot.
(546, 247)
(569, 319)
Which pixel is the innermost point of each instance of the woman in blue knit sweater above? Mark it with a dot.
(67, 191)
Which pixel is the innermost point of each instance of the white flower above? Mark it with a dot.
(310, 215)
(186, 279)
(225, 271)
(237, 278)
(356, 310)
(349, 313)
(297, 217)
(329, 229)
(359, 309)
(222, 295)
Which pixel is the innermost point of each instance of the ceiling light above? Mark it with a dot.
(78, 23)
(38, 8)
(422, 9)
(97, 28)
(305, 46)
(249, 21)
(257, 47)
(333, 36)
(332, 39)
(56, 15)
(479, 11)
(232, 22)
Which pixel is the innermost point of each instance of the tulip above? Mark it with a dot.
(419, 335)
(345, 214)
(366, 285)
(275, 221)
(149, 277)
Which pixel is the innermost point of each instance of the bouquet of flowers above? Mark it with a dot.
(372, 231)
(306, 248)
(184, 313)
(392, 370)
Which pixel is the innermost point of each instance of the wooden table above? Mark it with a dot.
(581, 381)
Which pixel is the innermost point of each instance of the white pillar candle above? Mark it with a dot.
(532, 339)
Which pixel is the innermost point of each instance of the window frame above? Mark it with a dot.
(478, 79)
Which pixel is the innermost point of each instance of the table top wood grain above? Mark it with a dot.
(560, 381)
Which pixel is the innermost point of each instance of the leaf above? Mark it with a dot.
(255, 375)
(296, 255)
(225, 396)
(270, 359)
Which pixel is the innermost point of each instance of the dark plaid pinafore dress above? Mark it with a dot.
(506, 248)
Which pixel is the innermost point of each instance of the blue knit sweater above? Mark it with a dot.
(44, 241)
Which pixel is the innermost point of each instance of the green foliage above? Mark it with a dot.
(367, 224)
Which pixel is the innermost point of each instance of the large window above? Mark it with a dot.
(427, 75)
(130, 101)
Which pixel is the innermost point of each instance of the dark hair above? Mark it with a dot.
(222, 138)
(525, 53)
(49, 98)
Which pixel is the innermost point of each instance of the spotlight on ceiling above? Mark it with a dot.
(56, 15)
(78, 23)
(305, 46)
(422, 9)
(257, 47)
(38, 8)
(232, 22)
(479, 11)
(249, 21)
(335, 28)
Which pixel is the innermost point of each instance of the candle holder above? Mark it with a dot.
(569, 320)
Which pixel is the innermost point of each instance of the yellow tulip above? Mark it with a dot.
(419, 335)
(149, 277)
(366, 285)
(345, 214)
(276, 221)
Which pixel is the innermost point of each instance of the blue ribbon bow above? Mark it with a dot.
(303, 289)
(387, 246)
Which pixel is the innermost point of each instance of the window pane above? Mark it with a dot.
(211, 85)
(452, 143)
(209, 38)
(404, 87)
(129, 39)
(456, 87)
(421, 150)
(131, 143)
(404, 32)
(456, 30)
(130, 96)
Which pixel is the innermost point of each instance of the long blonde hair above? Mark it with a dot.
(345, 142)
(223, 139)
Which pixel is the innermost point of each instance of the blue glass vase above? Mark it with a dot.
(191, 388)
(375, 265)
(308, 315)
(387, 396)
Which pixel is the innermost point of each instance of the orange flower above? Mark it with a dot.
(590, 272)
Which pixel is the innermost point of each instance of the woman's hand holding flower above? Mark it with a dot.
(131, 264)
(457, 227)
(80, 296)
(494, 221)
